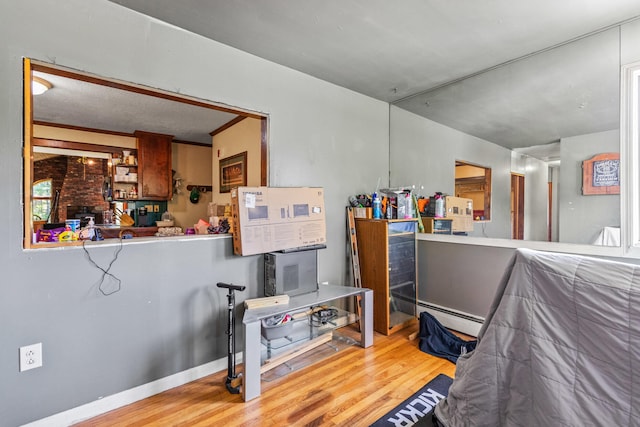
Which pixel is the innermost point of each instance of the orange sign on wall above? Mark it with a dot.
(601, 174)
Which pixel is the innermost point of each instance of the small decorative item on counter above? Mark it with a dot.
(125, 219)
(190, 231)
(166, 216)
(201, 227)
(88, 233)
(165, 223)
(361, 201)
(73, 225)
(167, 220)
(169, 231)
(222, 227)
(49, 235)
(361, 205)
(107, 217)
(68, 235)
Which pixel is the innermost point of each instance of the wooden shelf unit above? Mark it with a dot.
(387, 254)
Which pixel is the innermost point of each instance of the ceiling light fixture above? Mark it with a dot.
(39, 86)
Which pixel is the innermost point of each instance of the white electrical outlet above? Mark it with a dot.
(30, 357)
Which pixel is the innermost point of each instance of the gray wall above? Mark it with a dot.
(462, 277)
(581, 218)
(168, 316)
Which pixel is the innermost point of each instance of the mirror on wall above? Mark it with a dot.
(545, 114)
(474, 182)
(79, 127)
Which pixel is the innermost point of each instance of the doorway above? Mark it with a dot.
(517, 206)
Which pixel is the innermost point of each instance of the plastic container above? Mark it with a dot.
(392, 207)
(408, 212)
(439, 207)
(377, 207)
(279, 330)
(74, 224)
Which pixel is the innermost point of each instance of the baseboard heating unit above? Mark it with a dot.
(453, 319)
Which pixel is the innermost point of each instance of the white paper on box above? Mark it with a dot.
(250, 201)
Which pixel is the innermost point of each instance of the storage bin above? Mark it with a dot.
(276, 331)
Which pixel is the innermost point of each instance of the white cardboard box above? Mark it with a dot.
(267, 219)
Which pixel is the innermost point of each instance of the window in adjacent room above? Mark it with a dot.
(41, 200)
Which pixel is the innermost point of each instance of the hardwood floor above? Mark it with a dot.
(353, 387)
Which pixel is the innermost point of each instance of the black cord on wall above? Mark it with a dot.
(105, 272)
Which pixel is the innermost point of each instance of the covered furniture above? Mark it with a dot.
(559, 347)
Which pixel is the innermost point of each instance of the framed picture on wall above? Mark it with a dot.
(601, 174)
(233, 172)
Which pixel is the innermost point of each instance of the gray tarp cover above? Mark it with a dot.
(559, 347)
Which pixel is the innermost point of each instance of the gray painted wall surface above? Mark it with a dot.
(169, 316)
(581, 218)
(465, 277)
(462, 277)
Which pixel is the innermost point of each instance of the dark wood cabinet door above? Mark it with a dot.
(154, 166)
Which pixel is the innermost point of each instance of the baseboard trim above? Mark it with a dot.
(453, 319)
(118, 400)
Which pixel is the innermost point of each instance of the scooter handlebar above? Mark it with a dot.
(231, 286)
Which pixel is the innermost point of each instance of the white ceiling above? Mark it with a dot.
(90, 105)
(417, 53)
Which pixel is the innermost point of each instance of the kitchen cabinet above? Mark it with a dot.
(154, 166)
(387, 254)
